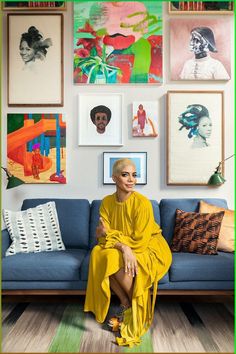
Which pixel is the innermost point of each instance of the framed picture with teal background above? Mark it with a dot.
(118, 42)
(36, 147)
(139, 158)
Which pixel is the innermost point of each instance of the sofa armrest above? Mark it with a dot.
(6, 241)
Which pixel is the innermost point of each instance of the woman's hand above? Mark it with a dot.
(130, 262)
(100, 229)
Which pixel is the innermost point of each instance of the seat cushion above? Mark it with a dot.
(53, 266)
(73, 216)
(193, 267)
(85, 267)
(94, 217)
(168, 208)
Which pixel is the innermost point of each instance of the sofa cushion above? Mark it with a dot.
(194, 267)
(168, 208)
(226, 236)
(85, 267)
(94, 217)
(34, 230)
(196, 232)
(56, 266)
(73, 216)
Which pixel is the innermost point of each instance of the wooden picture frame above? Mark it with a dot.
(139, 158)
(35, 72)
(201, 7)
(33, 5)
(100, 119)
(195, 136)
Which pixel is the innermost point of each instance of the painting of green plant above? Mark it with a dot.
(118, 42)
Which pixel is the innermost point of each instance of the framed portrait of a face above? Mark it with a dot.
(35, 60)
(195, 133)
(36, 147)
(100, 119)
(118, 42)
(200, 49)
(138, 158)
(145, 120)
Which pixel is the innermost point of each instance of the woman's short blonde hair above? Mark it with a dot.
(120, 164)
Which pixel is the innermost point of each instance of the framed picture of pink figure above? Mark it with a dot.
(36, 147)
(195, 136)
(100, 119)
(201, 7)
(200, 49)
(118, 42)
(145, 119)
(35, 60)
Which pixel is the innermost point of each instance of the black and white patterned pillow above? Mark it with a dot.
(34, 230)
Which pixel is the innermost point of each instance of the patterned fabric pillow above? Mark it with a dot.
(196, 232)
(34, 230)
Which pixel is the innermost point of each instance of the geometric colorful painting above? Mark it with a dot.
(36, 147)
(118, 42)
(144, 119)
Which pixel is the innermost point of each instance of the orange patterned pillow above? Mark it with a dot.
(226, 236)
(196, 232)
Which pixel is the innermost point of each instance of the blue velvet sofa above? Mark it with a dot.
(66, 272)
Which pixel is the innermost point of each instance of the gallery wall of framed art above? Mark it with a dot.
(140, 107)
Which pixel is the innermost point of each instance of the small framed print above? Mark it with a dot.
(33, 5)
(195, 136)
(100, 119)
(201, 7)
(139, 158)
(144, 120)
(35, 60)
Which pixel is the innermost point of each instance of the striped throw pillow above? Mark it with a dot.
(34, 230)
(196, 232)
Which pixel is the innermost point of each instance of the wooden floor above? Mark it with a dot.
(59, 327)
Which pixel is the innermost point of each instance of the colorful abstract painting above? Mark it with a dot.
(36, 147)
(118, 42)
(144, 121)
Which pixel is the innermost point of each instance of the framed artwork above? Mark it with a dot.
(144, 120)
(139, 158)
(35, 60)
(100, 119)
(33, 5)
(201, 7)
(199, 49)
(36, 147)
(118, 42)
(195, 136)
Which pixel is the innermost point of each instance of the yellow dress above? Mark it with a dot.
(132, 223)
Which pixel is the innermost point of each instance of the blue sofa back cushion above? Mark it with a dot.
(73, 216)
(168, 208)
(94, 217)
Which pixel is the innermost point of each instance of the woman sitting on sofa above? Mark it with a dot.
(130, 258)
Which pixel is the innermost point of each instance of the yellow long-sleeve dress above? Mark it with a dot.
(132, 223)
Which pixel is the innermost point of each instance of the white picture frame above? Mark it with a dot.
(139, 158)
(111, 106)
(194, 147)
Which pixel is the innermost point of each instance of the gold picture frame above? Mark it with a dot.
(34, 5)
